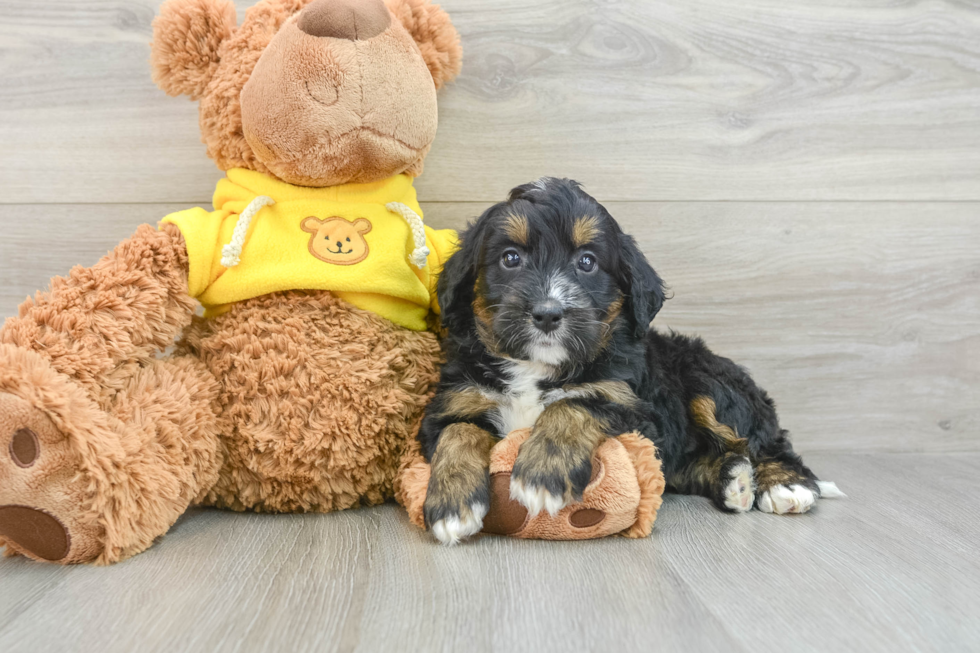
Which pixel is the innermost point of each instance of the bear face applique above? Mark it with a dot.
(336, 240)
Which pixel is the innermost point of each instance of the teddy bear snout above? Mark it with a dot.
(345, 19)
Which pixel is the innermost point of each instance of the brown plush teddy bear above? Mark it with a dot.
(301, 387)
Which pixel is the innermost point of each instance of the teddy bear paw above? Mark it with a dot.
(39, 498)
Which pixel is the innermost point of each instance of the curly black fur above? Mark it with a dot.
(553, 250)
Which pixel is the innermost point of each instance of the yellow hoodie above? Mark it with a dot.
(348, 239)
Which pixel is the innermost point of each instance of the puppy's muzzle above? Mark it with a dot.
(547, 316)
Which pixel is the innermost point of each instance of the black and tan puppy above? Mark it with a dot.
(548, 307)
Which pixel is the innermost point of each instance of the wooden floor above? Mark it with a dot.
(806, 177)
(894, 567)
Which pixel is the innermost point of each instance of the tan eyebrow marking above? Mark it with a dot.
(515, 226)
(585, 230)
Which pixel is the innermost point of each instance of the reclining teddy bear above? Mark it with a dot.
(303, 385)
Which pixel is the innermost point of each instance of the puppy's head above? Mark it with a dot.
(548, 276)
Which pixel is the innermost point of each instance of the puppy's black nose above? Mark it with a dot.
(547, 315)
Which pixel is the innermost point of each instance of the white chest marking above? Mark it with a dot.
(522, 403)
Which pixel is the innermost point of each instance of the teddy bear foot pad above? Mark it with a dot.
(33, 463)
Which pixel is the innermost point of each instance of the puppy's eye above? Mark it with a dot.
(587, 262)
(510, 259)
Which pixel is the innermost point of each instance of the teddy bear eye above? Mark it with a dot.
(348, 240)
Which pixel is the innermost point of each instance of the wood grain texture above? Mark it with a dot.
(667, 100)
(861, 319)
(891, 568)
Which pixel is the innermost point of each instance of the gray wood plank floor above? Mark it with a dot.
(805, 175)
(894, 567)
(641, 100)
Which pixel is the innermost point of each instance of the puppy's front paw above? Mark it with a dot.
(456, 505)
(536, 497)
(547, 478)
(459, 525)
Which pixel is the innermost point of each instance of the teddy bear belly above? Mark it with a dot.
(318, 400)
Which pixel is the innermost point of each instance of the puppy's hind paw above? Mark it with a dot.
(738, 493)
(452, 528)
(536, 498)
(786, 499)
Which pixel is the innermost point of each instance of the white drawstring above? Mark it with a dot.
(231, 253)
(414, 220)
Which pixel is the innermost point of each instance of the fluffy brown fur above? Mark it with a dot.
(184, 56)
(217, 63)
(342, 392)
(294, 401)
(438, 41)
(127, 306)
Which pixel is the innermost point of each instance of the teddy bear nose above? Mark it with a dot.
(345, 19)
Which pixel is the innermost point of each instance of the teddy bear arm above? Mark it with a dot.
(130, 305)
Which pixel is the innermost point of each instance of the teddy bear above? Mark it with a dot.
(300, 386)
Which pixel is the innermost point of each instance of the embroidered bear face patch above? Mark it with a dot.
(336, 240)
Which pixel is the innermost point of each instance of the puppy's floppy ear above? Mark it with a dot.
(435, 35)
(642, 286)
(458, 276)
(186, 37)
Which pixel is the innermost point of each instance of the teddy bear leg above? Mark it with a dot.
(97, 436)
(85, 483)
(129, 306)
(171, 451)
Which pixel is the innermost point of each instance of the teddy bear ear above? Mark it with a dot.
(435, 35)
(186, 37)
(311, 225)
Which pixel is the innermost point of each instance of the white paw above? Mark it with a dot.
(536, 498)
(739, 493)
(782, 499)
(451, 530)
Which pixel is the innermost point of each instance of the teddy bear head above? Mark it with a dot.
(314, 92)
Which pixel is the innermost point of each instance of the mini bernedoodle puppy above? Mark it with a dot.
(547, 308)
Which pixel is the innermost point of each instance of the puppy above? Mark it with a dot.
(547, 308)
